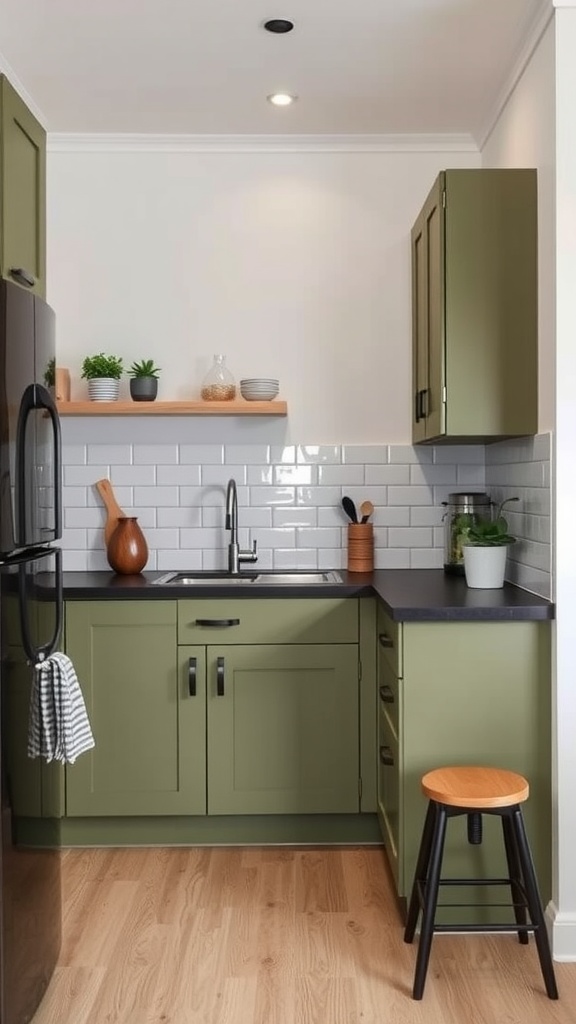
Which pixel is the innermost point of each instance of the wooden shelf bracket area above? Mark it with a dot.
(238, 407)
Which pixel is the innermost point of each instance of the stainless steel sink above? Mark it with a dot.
(195, 579)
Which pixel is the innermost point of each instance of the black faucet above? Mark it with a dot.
(235, 555)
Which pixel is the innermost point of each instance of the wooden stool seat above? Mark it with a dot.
(475, 787)
(475, 791)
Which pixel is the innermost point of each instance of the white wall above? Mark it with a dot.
(294, 264)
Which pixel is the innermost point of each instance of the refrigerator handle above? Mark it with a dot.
(23, 276)
(34, 654)
(45, 401)
(37, 397)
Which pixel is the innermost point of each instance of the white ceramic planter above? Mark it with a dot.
(484, 567)
(103, 389)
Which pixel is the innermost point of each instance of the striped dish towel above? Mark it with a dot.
(58, 726)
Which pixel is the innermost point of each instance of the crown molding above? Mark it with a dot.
(537, 29)
(136, 143)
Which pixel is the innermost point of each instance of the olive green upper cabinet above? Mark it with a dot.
(22, 193)
(474, 308)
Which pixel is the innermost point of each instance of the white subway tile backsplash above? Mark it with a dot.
(410, 537)
(340, 476)
(155, 496)
(74, 454)
(289, 501)
(111, 454)
(365, 454)
(384, 475)
(182, 476)
(246, 454)
(294, 476)
(319, 454)
(134, 475)
(259, 475)
(155, 454)
(201, 454)
(294, 517)
(96, 561)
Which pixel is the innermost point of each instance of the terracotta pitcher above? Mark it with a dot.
(127, 549)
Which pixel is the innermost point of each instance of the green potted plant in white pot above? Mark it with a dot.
(103, 375)
(485, 549)
(143, 380)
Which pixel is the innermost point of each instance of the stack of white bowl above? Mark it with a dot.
(259, 389)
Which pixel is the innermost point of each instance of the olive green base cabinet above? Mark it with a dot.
(463, 693)
(223, 707)
(474, 308)
(283, 729)
(22, 193)
(149, 756)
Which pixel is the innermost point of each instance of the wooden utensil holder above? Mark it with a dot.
(360, 547)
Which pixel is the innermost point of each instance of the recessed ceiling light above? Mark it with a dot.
(281, 99)
(279, 25)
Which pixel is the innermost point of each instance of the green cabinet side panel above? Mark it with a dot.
(283, 736)
(367, 724)
(491, 302)
(476, 693)
(147, 729)
(22, 190)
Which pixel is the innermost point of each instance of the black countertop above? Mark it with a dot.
(408, 595)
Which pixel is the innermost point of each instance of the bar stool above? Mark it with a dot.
(475, 791)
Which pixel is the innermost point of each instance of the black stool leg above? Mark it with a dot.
(420, 873)
(430, 900)
(515, 875)
(534, 903)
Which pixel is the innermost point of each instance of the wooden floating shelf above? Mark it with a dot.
(239, 407)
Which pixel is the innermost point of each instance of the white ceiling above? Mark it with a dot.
(382, 67)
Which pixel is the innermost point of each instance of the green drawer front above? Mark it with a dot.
(389, 696)
(261, 621)
(389, 796)
(390, 641)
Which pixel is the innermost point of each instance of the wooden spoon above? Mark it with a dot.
(114, 512)
(366, 509)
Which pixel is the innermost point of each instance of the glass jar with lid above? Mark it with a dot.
(218, 384)
(463, 508)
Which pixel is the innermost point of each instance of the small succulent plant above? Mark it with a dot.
(144, 368)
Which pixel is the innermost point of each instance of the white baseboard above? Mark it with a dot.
(562, 928)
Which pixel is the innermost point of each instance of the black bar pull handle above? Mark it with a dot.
(386, 755)
(192, 676)
(218, 622)
(386, 695)
(220, 677)
(385, 640)
(23, 276)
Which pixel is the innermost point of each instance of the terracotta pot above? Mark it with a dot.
(127, 548)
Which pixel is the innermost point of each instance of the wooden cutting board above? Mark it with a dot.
(113, 510)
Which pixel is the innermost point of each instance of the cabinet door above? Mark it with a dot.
(428, 362)
(149, 730)
(23, 184)
(283, 729)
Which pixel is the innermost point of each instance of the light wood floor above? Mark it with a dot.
(272, 936)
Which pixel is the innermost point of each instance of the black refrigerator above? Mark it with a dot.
(30, 628)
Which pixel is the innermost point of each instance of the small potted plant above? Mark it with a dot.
(485, 549)
(103, 375)
(50, 375)
(144, 380)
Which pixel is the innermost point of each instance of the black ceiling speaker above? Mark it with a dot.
(279, 25)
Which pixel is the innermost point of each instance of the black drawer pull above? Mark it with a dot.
(192, 676)
(386, 695)
(218, 622)
(385, 640)
(386, 756)
(220, 677)
(23, 276)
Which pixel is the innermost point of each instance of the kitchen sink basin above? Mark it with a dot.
(195, 579)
